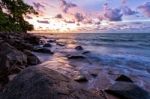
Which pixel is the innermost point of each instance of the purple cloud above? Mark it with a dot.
(79, 17)
(28, 17)
(59, 16)
(69, 21)
(66, 6)
(127, 11)
(113, 14)
(43, 21)
(145, 8)
(38, 6)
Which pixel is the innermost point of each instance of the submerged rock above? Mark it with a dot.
(60, 44)
(51, 41)
(124, 78)
(47, 45)
(43, 50)
(81, 79)
(79, 48)
(11, 61)
(43, 83)
(126, 90)
(76, 57)
(31, 58)
(85, 52)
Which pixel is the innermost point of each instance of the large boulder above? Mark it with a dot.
(42, 83)
(43, 50)
(124, 78)
(35, 40)
(11, 61)
(31, 58)
(126, 90)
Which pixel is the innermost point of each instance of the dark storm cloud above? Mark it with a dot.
(43, 21)
(67, 5)
(145, 8)
(113, 14)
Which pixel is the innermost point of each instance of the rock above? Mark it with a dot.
(76, 57)
(124, 78)
(20, 45)
(126, 90)
(43, 50)
(86, 52)
(94, 75)
(11, 61)
(31, 58)
(47, 45)
(81, 79)
(51, 41)
(43, 83)
(32, 39)
(79, 48)
(60, 43)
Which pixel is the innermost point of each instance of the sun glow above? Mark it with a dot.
(53, 25)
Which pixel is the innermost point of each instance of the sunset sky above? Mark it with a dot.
(91, 15)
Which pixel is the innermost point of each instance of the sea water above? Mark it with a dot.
(128, 53)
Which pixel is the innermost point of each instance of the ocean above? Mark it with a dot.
(123, 47)
(117, 53)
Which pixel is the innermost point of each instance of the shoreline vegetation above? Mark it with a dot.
(22, 75)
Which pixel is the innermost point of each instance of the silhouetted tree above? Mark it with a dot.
(11, 16)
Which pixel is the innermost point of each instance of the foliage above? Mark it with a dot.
(11, 16)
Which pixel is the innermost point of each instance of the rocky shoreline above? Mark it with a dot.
(23, 77)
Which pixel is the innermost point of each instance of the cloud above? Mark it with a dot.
(67, 5)
(124, 2)
(38, 6)
(145, 8)
(43, 21)
(59, 16)
(113, 14)
(79, 17)
(28, 17)
(69, 21)
(127, 11)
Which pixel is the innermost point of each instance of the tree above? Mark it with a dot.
(12, 18)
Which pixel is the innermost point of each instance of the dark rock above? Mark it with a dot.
(79, 48)
(43, 50)
(31, 58)
(51, 41)
(76, 57)
(124, 78)
(126, 90)
(43, 83)
(32, 39)
(94, 75)
(47, 45)
(21, 45)
(11, 60)
(81, 79)
(85, 52)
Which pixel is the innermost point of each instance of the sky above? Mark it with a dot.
(96, 16)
